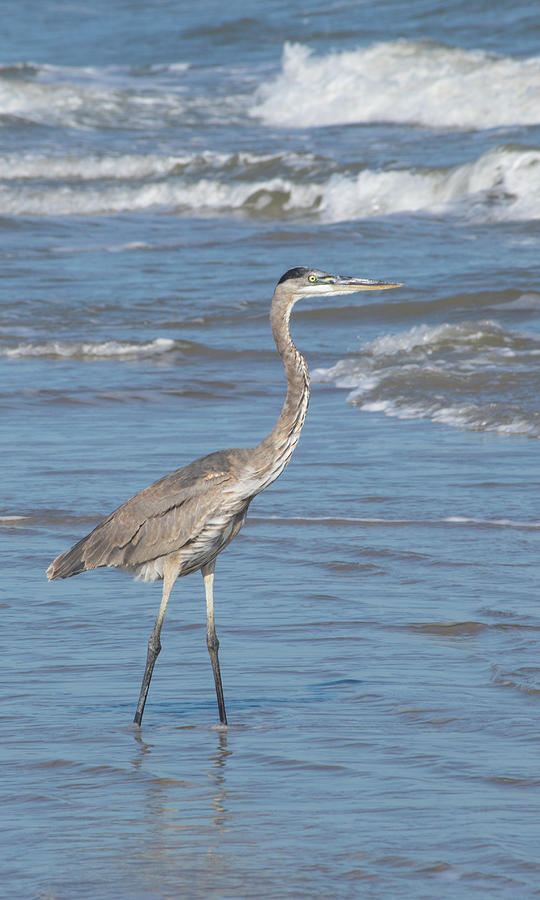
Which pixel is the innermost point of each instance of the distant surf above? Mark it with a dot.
(414, 82)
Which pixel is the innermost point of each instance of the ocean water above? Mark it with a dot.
(160, 167)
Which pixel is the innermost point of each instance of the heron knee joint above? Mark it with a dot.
(212, 641)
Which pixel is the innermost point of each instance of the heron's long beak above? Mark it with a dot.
(347, 285)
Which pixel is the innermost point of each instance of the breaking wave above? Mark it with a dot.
(401, 81)
(502, 184)
(475, 375)
(89, 350)
(91, 98)
(133, 166)
(206, 196)
(421, 83)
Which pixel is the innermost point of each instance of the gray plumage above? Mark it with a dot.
(163, 518)
(180, 523)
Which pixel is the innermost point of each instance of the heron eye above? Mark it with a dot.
(312, 278)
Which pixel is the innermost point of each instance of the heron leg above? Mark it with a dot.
(154, 646)
(211, 637)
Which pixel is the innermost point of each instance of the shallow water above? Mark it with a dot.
(378, 614)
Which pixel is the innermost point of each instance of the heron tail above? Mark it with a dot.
(67, 564)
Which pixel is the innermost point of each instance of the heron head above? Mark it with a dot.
(304, 282)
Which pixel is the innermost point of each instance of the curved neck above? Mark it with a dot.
(274, 452)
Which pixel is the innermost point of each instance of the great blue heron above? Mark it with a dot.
(180, 523)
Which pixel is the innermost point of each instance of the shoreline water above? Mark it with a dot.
(378, 614)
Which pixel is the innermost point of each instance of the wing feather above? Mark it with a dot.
(160, 519)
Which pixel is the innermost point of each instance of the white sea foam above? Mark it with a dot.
(474, 375)
(490, 523)
(132, 166)
(84, 106)
(89, 167)
(93, 98)
(430, 338)
(204, 196)
(502, 184)
(90, 98)
(111, 74)
(401, 81)
(466, 521)
(97, 350)
(472, 416)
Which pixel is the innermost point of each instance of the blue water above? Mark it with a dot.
(160, 168)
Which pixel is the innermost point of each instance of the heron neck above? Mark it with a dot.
(274, 452)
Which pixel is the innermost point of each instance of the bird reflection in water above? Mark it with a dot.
(180, 804)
